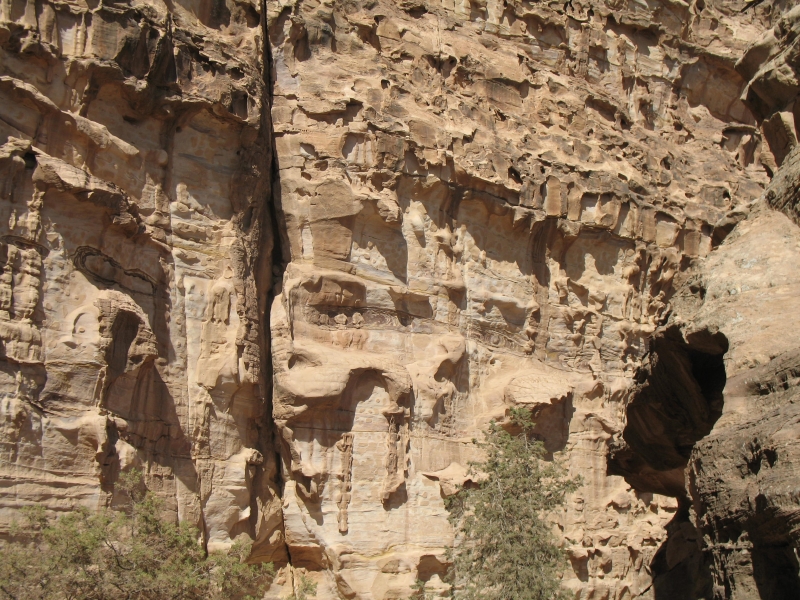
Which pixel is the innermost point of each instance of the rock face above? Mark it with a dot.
(290, 258)
(136, 259)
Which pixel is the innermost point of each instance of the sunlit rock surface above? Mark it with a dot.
(292, 281)
(135, 176)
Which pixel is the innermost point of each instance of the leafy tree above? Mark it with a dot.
(133, 555)
(505, 547)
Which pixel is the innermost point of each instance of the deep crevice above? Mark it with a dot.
(273, 232)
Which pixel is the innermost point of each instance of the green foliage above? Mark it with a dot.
(304, 590)
(137, 555)
(505, 547)
(418, 591)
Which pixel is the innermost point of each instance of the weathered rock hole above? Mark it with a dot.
(302, 47)
(675, 402)
(30, 160)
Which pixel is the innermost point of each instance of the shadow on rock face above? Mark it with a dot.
(676, 400)
(680, 569)
(776, 572)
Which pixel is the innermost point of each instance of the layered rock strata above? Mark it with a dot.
(135, 153)
(289, 258)
(489, 204)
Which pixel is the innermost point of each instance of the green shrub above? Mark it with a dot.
(304, 589)
(133, 555)
(505, 548)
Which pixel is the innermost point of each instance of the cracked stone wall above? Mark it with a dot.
(289, 258)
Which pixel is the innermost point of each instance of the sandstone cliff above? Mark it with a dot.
(136, 165)
(290, 257)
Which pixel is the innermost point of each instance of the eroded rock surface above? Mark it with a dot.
(736, 533)
(588, 209)
(136, 244)
(488, 204)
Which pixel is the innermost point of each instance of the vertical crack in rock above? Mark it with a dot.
(271, 248)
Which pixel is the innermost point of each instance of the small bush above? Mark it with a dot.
(304, 589)
(505, 546)
(134, 555)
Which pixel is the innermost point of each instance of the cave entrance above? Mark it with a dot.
(675, 401)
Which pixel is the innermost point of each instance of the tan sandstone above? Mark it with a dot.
(290, 258)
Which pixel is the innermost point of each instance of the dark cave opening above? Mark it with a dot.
(675, 401)
(123, 332)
